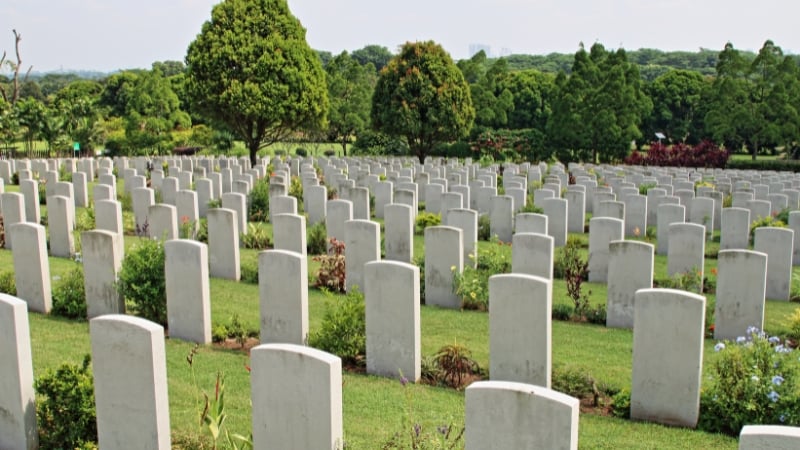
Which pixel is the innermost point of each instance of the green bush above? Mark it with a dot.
(765, 222)
(484, 227)
(575, 382)
(65, 407)
(332, 268)
(791, 165)
(425, 220)
(317, 239)
(753, 381)
(69, 295)
(301, 152)
(248, 271)
(472, 284)
(256, 237)
(561, 311)
(343, 331)
(141, 280)
(259, 201)
(8, 284)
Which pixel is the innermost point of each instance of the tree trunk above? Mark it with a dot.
(755, 151)
(253, 147)
(344, 146)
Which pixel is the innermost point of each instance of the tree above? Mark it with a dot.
(350, 87)
(251, 69)
(375, 54)
(421, 95)
(677, 105)
(13, 96)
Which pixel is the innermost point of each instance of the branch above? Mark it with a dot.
(2, 89)
(15, 93)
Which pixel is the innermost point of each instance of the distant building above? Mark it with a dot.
(475, 48)
(505, 51)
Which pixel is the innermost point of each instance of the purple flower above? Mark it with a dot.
(719, 347)
(777, 380)
(443, 429)
(774, 340)
(773, 396)
(741, 340)
(752, 330)
(418, 428)
(403, 380)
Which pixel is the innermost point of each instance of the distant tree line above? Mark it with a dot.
(261, 85)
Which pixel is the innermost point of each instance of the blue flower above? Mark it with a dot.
(741, 340)
(774, 340)
(773, 396)
(777, 380)
(752, 330)
(720, 346)
(782, 418)
(782, 349)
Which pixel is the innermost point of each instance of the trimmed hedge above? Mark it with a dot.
(779, 165)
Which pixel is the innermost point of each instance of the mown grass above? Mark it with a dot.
(375, 408)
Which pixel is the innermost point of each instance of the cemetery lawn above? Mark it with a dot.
(375, 408)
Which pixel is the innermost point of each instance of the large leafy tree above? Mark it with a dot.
(677, 99)
(251, 69)
(422, 96)
(350, 87)
(375, 54)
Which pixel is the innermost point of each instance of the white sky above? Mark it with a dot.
(107, 35)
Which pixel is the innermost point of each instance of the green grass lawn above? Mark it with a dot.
(375, 408)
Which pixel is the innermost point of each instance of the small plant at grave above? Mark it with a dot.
(65, 408)
(425, 220)
(126, 201)
(783, 215)
(214, 203)
(472, 284)
(753, 380)
(141, 280)
(248, 271)
(84, 219)
(2, 232)
(689, 281)
(484, 227)
(343, 331)
(317, 239)
(69, 295)
(202, 231)
(296, 189)
(186, 228)
(576, 271)
(419, 261)
(256, 237)
(768, 221)
(212, 416)
(413, 435)
(456, 366)
(561, 311)
(644, 187)
(621, 403)
(259, 201)
(576, 383)
(331, 273)
(142, 230)
(530, 207)
(794, 327)
(8, 284)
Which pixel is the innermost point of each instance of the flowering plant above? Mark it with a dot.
(753, 380)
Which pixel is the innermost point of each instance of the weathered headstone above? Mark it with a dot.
(188, 291)
(556, 211)
(769, 437)
(283, 290)
(362, 240)
(777, 243)
(17, 395)
(520, 328)
(31, 267)
(602, 230)
(741, 289)
(630, 268)
(399, 233)
(223, 244)
(296, 393)
(501, 217)
(102, 260)
(667, 356)
(444, 256)
(467, 221)
(163, 222)
(668, 213)
(289, 233)
(496, 410)
(686, 252)
(532, 254)
(391, 295)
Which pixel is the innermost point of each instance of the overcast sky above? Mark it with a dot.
(108, 35)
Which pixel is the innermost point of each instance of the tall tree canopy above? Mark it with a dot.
(350, 87)
(422, 96)
(677, 99)
(251, 69)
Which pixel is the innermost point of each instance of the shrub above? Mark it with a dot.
(753, 380)
(84, 219)
(2, 232)
(472, 285)
(141, 280)
(575, 382)
(704, 154)
(425, 220)
(259, 201)
(69, 295)
(576, 270)
(8, 284)
(301, 152)
(202, 231)
(768, 221)
(530, 207)
(296, 190)
(622, 404)
(343, 331)
(65, 407)
(484, 227)
(331, 273)
(794, 326)
(419, 261)
(256, 237)
(561, 311)
(455, 365)
(329, 152)
(248, 272)
(317, 239)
